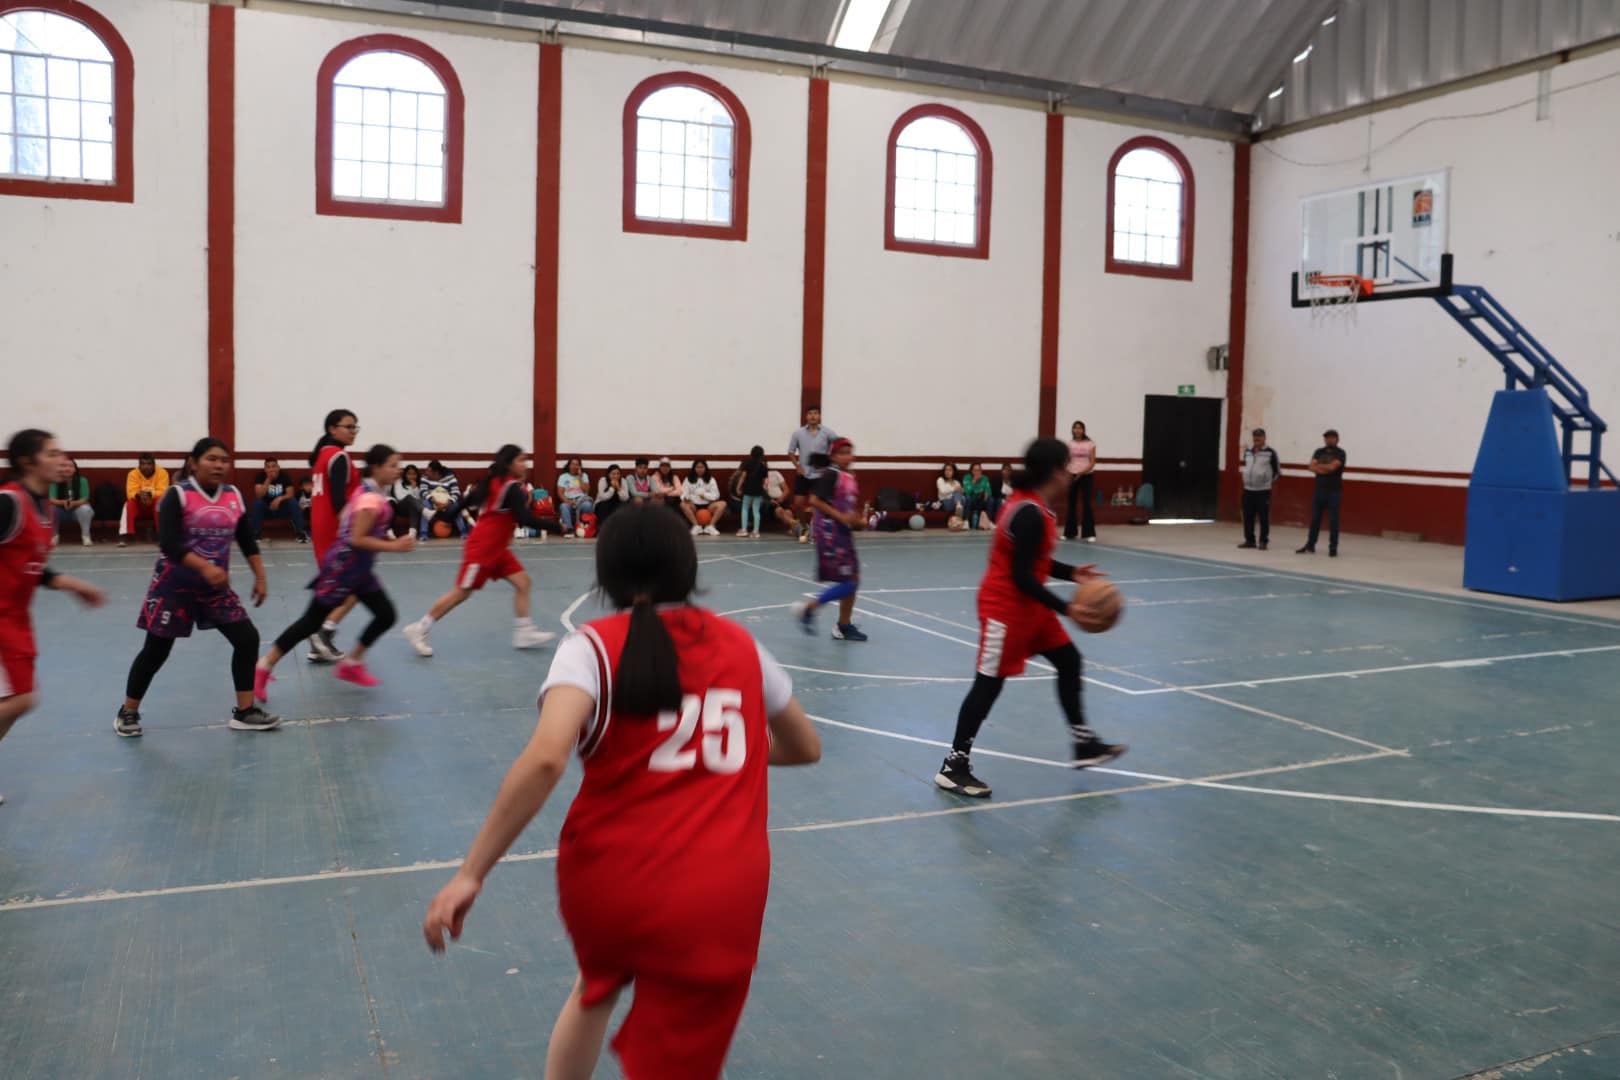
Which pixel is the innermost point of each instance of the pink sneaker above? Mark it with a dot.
(262, 678)
(357, 674)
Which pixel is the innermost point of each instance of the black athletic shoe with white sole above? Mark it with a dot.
(323, 647)
(958, 779)
(253, 718)
(1089, 752)
(128, 723)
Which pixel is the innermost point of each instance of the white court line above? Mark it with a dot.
(1355, 673)
(907, 678)
(1114, 581)
(1413, 594)
(1221, 782)
(1291, 720)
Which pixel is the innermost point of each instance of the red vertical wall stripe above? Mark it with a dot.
(1236, 331)
(1051, 273)
(547, 242)
(222, 223)
(815, 247)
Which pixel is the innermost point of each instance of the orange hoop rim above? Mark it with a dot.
(1361, 286)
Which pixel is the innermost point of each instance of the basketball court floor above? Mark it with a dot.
(1363, 830)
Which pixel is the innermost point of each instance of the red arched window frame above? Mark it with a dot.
(741, 152)
(980, 248)
(122, 188)
(1183, 270)
(454, 127)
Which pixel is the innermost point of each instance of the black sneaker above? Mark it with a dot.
(1333, 553)
(253, 718)
(128, 723)
(1093, 751)
(959, 780)
(1306, 550)
(1264, 545)
(1246, 544)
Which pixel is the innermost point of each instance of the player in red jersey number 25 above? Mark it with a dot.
(663, 863)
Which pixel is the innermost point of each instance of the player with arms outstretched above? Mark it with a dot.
(1018, 617)
(502, 505)
(664, 862)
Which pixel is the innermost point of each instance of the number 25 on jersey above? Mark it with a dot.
(724, 744)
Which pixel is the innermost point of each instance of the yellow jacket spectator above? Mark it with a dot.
(144, 486)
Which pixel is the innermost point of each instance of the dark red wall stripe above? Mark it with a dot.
(815, 247)
(1236, 332)
(547, 244)
(222, 223)
(1051, 273)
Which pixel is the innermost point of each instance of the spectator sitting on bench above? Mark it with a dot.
(976, 494)
(275, 494)
(574, 497)
(640, 483)
(71, 499)
(612, 492)
(440, 493)
(406, 498)
(143, 487)
(949, 489)
(1002, 491)
(667, 486)
(701, 492)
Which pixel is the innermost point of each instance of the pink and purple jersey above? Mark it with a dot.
(210, 521)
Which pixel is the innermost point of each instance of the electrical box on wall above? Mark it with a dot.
(1216, 357)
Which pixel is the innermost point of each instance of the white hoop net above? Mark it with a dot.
(1333, 299)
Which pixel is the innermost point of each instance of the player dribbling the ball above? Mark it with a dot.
(1018, 617)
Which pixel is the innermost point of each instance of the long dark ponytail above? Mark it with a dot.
(333, 419)
(645, 557)
(27, 443)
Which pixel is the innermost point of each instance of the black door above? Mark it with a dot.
(1181, 454)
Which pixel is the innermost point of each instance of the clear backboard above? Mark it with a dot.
(1391, 232)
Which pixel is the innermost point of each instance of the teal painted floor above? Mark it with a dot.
(1361, 832)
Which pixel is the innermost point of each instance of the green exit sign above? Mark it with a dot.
(1186, 390)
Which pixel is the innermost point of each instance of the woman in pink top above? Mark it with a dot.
(1082, 464)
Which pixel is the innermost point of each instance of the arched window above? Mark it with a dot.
(388, 132)
(1150, 211)
(67, 110)
(686, 145)
(938, 198)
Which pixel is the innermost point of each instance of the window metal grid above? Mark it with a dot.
(56, 117)
(388, 145)
(684, 169)
(935, 195)
(1147, 219)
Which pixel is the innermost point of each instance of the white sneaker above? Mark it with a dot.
(754, 534)
(742, 533)
(711, 530)
(697, 530)
(528, 637)
(86, 541)
(417, 634)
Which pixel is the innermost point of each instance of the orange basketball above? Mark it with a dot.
(442, 529)
(703, 517)
(1103, 606)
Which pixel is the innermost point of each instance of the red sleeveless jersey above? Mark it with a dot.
(323, 520)
(998, 593)
(664, 863)
(677, 787)
(493, 531)
(22, 554)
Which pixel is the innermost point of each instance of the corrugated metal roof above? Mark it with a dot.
(1377, 49)
(1204, 63)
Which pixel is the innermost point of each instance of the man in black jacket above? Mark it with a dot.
(1328, 465)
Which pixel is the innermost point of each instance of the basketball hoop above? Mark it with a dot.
(1333, 296)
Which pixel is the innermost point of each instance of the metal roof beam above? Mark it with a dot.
(555, 18)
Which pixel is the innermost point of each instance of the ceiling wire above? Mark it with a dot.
(1366, 155)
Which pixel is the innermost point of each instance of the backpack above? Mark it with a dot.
(893, 500)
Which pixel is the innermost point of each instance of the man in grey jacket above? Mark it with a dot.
(1260, 472)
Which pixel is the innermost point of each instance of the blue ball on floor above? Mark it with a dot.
(917, 522)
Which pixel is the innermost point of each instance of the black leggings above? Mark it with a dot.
(244, 639)
(382, 617)
(1080, 498)
(986, 688)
